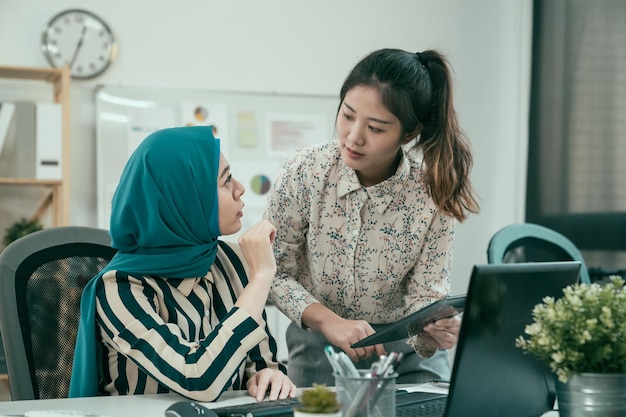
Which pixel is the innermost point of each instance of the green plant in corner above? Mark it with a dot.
(582, 332)
(21, 228)
(318, 400)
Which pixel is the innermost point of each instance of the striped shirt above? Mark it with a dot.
(182, 335)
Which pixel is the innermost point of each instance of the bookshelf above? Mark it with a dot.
(41, 196)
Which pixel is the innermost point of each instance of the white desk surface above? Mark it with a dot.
(152, 405)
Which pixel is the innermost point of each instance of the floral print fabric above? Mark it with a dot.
(373, 253)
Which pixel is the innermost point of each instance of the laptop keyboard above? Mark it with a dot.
(420, 404)
(429, 408)
(408, 404)
(274, 408)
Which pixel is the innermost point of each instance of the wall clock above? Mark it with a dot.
(81, 40)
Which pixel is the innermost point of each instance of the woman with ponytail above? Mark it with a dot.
(365, 224)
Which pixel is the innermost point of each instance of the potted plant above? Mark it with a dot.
(318, 400)
(21, 228)
(582, 338)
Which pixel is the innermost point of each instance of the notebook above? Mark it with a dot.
(491, 377)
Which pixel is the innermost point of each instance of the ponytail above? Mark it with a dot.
(446, 149)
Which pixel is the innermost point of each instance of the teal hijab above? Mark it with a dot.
(164, 222)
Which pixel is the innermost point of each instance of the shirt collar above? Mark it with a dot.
(348, 181)
(381, 194)
(185, 285)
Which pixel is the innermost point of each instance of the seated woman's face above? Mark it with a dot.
(229, 192)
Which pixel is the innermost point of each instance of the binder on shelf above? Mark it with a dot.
(49, 138)
(25, 140)
(17, 159)
(7, 109)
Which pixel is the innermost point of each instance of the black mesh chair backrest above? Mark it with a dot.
(528, 242)
(42, 276)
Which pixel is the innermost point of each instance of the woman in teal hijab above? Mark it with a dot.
(176, 309)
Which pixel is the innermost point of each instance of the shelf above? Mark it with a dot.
(33, 201)
(40, 196)
(51, 75)
(26, 181)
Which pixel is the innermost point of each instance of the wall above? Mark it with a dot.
(292, 46)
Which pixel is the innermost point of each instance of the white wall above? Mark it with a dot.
(292, 46)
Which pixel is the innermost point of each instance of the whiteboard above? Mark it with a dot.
(258, 131)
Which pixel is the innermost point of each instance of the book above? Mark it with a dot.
(415, 322)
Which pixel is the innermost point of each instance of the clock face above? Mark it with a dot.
(78, 39)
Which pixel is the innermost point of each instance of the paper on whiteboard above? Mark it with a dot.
(208, 114)
(288, 132)
(142, 122)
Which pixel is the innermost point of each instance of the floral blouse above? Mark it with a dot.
(373, 253)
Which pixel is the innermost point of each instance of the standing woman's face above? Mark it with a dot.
(229, 192)
(370, 136)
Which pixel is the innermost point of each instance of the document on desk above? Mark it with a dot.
(414, 323)
(52, 413)
(426, 387)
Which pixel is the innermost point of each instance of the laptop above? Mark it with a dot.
(491, 377)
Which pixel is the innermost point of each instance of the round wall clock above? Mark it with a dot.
(78, 39)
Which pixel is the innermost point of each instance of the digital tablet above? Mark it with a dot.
(414, 323)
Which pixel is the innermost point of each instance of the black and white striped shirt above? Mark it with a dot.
(182, 335)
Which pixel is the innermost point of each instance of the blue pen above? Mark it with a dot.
(332, 358)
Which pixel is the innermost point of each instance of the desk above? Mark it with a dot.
(152, 405)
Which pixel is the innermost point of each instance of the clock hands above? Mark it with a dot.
(80, 43)
(80, 40)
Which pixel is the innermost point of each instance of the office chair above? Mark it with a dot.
(527, 242)
(42, 276)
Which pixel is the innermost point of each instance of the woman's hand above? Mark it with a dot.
(271, 381)
(341, 332)
(443, 333)
(256, 245)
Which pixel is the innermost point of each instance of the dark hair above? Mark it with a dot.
(417, 89)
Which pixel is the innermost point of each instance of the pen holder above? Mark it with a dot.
(366, 396)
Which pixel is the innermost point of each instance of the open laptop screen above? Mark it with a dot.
(491, 377)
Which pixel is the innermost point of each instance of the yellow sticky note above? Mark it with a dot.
(247, 129)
